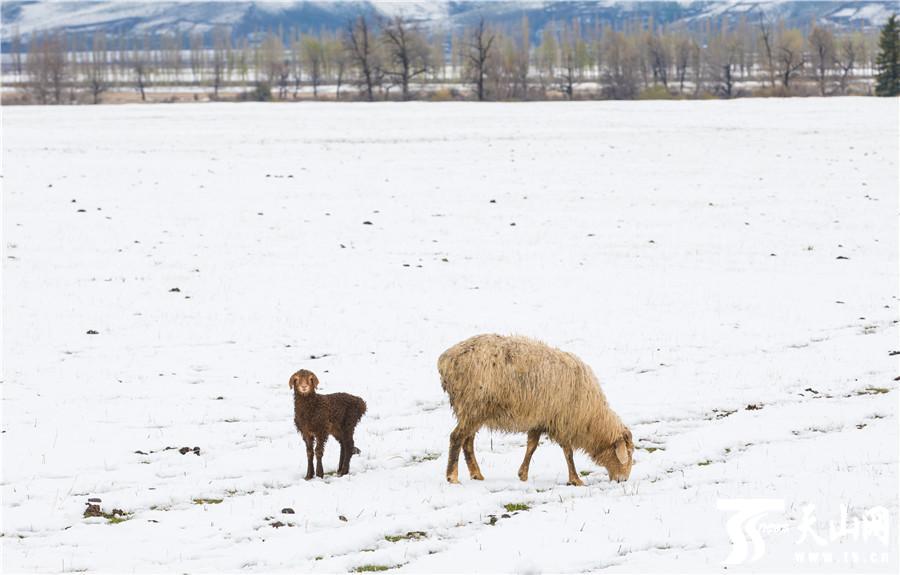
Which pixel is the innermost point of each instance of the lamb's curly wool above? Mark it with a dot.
(517, 384)
(319, 415)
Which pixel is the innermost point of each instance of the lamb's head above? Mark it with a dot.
(304, 382)
(618, 457)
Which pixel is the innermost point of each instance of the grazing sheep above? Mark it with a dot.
(318, 416)
(516, 384)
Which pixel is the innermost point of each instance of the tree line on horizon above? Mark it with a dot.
(398, 59)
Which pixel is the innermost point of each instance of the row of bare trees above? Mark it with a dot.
(397, 58)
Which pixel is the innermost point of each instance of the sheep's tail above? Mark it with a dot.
(356, 451)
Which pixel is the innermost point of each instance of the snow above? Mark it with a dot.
(688, 251)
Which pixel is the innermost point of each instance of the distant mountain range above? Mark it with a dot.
(245, 18)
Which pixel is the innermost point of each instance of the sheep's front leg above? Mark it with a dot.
(308, 439)
(456, 440)
(471, 462)
(570, 461)
(534, 439)
(320, 451)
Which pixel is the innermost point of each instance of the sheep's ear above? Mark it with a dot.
(292, 381)
(314, 380)
(622, 451)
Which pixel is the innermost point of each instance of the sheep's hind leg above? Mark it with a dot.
(347, 449)
(456, 440)
(309, 456)
(570, 461)
(340, 469)
(471, 462)
(534, 439)
(320, 451)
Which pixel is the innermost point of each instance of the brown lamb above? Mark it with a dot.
(317, 416)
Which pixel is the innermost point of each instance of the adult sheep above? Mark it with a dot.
(516, 384)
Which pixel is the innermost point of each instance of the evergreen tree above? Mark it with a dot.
(889, 59)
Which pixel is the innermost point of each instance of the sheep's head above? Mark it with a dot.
(618, 457)
(304, 382)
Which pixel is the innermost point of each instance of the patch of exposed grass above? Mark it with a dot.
(704, 462)
(205, 501)
(873, 390)
(370, 568)
(426, 457)
(651, 448)
(409, 535)
(113, 517)
(585, 473)
(516, 507)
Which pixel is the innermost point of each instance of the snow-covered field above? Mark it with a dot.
(728, 269)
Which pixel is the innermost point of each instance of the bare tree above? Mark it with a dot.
(363, 52)
(437, 57)
(139, 58)
(789, 50)
(621, 57)
(479, 51)
(658, 56)
(170, 46)
(272, 64)
(16, 49)
(684, 45)
(722, 56)
(573, 58)
(522, 62)
(221, 47)
(97, 69)
(547, 56)
(197, 57)
(846, 59)
(297, 60)
(407, 52)
(35, 65)
(765, 34)
(821, 41)
(337, 60)
(312, 52)
(48, 67)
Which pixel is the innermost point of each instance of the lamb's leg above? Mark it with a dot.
(570, 461)
(308, 439)
(340, 470)
(348, 445)
(534, 439)
(456, 440)
(320, 451)
(471, 462)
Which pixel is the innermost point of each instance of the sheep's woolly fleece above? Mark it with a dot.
(516, 384)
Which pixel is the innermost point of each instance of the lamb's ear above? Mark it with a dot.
(622, 451)
(292, 381)
(314, 380)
